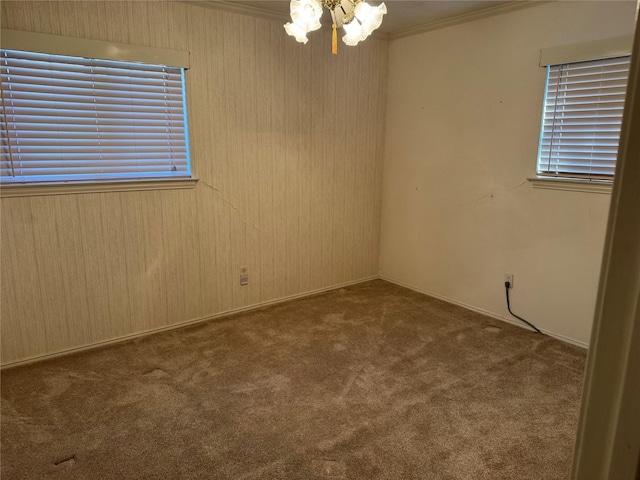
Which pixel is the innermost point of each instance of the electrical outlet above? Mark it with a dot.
(508, 277)
(244, 276)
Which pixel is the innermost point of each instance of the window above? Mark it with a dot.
(582, 118)
(77, 119)
(85, 115)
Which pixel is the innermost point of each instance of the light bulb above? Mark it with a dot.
(370, 17)
(306, 14)
(297, 32)
(354, 33)
(363, 10)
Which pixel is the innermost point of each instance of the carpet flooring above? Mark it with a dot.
(368, 382)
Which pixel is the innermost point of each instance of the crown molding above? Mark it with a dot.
(232, 7)
(467, 17)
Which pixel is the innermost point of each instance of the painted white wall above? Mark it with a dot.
(463, 121)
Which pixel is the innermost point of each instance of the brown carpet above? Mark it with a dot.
(368, 382)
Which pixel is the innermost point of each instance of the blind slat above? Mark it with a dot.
(71, 119)
(582, 117)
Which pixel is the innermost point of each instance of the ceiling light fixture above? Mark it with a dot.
(358, 18)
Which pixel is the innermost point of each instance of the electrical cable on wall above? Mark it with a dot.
(506, 286)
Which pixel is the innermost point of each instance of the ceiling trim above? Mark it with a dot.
(232, 7)
(237, 8)
(467, 17)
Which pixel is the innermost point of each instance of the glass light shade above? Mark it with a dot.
(354, 33)
(362, 19)
(297, 32)
(362, 11)
(370, 17)
(306, 14)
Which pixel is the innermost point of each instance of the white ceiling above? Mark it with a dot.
(403, 15)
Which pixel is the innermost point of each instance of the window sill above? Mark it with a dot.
(572, 184)
(34, 190)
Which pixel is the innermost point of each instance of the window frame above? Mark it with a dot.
(77, 47)
(574, 53)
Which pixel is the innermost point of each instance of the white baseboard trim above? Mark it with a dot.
(40, 358)
(484, 312)
(48, 356)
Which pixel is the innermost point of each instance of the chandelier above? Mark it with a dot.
(357, 17)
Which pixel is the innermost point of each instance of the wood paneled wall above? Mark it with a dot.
(287, 141)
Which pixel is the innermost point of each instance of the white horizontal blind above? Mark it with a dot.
(79, 119)
(582, 118)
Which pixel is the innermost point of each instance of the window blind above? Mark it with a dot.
(79, 119)
(582, 118)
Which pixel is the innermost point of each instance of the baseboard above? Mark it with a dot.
(176, 326)
(557, 336)
(256, 306)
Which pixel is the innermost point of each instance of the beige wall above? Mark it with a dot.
(287, 141)
(463, 122)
